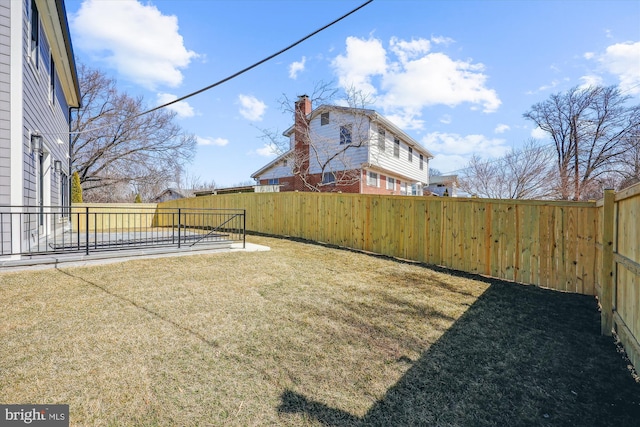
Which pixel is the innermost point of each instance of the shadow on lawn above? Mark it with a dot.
(520, 355)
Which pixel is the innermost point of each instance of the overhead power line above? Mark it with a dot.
(244, 70)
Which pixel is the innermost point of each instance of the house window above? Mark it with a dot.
(410, 154)
(403, 188)
(345, 134)
(391, 183)
(284, 162)
(421, 162)
(35, 33)
(381, 139)
(396, 147)
(273, 181)
(64, 189)
(52, 80)
(328, 178)
(324, 119)
(372, 179)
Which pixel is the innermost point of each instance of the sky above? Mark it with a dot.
(456, 75)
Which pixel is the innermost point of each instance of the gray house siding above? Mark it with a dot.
(5, 102)
(5, 117)
(27, 105)
(42, 113)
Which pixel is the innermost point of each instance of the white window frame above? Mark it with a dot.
(34, 44)
(396, 148)
(373, 179)
(391, 183)
(328, 178)
(273, 181)
(52, 80)
(421, 162)
(346, 134)
(410, 155)
(382, 135)
(324, 118)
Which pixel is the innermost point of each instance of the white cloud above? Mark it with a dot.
(623, 60)
(453, 151)
(137, 40)
(220, 142)
(418, 77)
(591, 80)
(296, 67)
(449, 163)
(538, 133)
(266, 151)
(501, 128)
(406, 51)
(363, 60)
(251, 108)
(589, 55)
(406, 121)
(182, 108)
(446, 119)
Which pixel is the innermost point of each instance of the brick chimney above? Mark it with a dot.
(301, 136)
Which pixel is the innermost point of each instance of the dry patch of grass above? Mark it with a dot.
(304, 335)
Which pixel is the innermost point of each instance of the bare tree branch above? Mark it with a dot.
(113, 146)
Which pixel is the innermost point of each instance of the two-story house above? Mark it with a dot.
(353, 150)
(38, 88)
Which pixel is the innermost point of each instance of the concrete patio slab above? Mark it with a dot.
(41, 262)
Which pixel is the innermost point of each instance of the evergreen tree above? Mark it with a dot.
(76, 188)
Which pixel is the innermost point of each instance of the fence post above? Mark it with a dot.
(86, 231)
(606, 296)
(179, 225)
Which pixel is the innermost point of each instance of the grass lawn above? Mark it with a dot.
(305, 335)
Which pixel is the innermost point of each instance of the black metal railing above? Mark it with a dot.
(29, 230)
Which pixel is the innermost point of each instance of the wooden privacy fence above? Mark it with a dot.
(112, 216)
(543, 243)
(618, 261)
(553, 244)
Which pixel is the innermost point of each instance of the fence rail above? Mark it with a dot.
(91, 228)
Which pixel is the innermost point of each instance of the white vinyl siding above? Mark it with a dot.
(326, 142)
(399, 164)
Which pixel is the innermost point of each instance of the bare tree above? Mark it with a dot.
(630, 159)
(324, 158)
(588, 127)
(524, 173)
(114, 145)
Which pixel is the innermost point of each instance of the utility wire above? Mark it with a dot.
(244, 70)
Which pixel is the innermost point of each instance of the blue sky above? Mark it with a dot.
(455, 75)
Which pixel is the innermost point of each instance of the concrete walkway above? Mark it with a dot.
(41, 262)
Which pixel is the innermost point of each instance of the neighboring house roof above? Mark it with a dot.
(172, 194)
(53, 16)
(227, 190)
(272, 163)
(443, 179)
